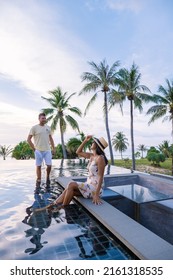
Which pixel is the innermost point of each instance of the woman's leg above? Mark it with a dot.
(64, 199)
(68, 194)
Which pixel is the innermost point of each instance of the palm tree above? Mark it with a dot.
(164, 148)
(142, 148)
(5, 151)
(170, 155)
(165, 104)
(120, 142)
(129, 87)
(167, 151)
(72, 145)
(74, 142)
(59, 113)
(101, 80)
(88, 144)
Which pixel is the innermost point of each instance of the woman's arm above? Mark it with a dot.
(101, 169)
(80, 151)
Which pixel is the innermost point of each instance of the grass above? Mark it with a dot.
(145, 165)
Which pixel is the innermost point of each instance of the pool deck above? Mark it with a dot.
(142, 242)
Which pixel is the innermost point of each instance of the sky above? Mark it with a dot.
(48, 43)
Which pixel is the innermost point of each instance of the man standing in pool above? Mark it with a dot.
(43, 142)
(92, 188)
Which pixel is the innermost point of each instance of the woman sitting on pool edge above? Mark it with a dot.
(92, 188)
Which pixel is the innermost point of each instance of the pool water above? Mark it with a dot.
(70, 233)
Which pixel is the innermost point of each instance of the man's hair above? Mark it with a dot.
(41, 115)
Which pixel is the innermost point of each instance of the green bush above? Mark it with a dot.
(156, 158)
(22, 151)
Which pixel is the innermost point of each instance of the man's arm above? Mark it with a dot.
(52, 144)
(30, 142)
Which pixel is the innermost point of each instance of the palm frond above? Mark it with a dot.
(138, 103)
(158, 99)
(54, 122)
(70, 96)
(92, 100)
(48, 111)
(73, 123)
(158, 111)
(76, 110)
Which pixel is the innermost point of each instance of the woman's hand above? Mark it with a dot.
(88, 137)
(96, 200)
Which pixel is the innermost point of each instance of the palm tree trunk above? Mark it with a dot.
(63, 145)
(142, 154)
(107, 128)
(132, 138)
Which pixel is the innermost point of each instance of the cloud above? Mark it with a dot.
(37, 56)
(121, 5)
(15, 123)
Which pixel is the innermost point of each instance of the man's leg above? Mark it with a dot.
(38, 160)
(48, 170)
(38, 172)
(48, 161)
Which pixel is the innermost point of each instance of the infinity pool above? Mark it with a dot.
(70, 234)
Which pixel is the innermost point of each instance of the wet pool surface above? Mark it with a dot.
(70, 233)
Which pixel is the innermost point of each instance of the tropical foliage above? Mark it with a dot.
(58, 152)
(120, 142)
(155, 156)
(142, 148)
(22, 151)
(73, 144)
(59, 113)
(5, 151)
(164, 148)
(170, 154)
(164, 107)
(100, 81)
(167, 150)
(129, 87)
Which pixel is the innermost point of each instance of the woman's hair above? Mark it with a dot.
(100, 152)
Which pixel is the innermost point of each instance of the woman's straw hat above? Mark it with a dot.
(101, 142)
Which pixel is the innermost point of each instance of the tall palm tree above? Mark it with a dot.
(164, 107)
(59, 113)
(101, 81)
(5, 151)
(129, 87)
(142, 148)
(120, 142)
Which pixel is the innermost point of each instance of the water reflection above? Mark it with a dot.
(78, 167)
(92, 241)
(38, 221)
(139, 193)
(27, 235)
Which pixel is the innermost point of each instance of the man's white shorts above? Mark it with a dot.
(40, 156)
